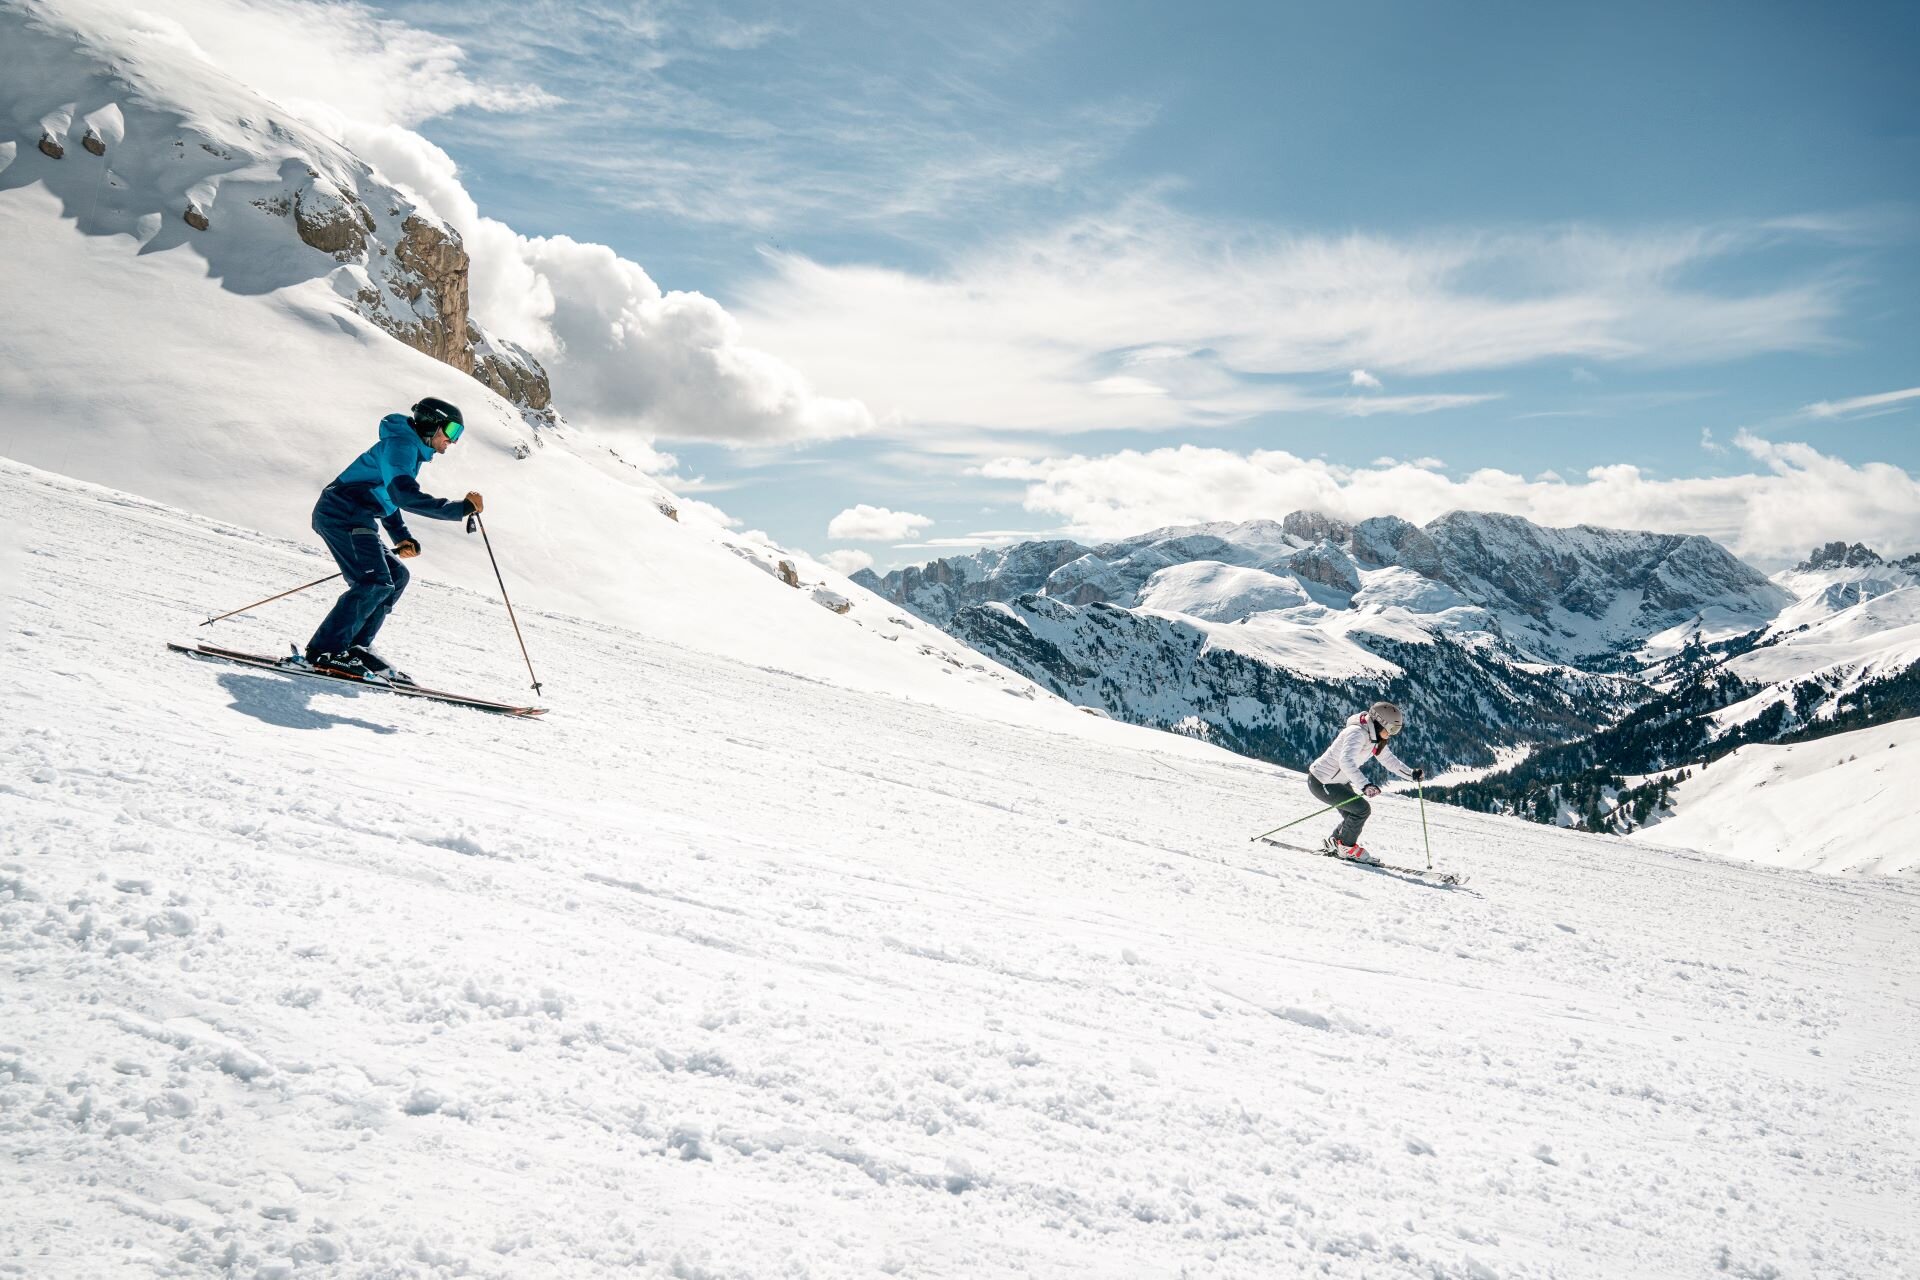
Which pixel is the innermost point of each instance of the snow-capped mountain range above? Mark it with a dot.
(1496, 633)
(1579, 596)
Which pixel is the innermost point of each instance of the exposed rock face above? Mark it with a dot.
(330, 220)
(510, 370)
(94, 143)
(1385, 540)
(938, 590)
(195, 219)
(50, 147)
(1312, 526)
(433, 265)
(787, 574)
(1327, 565)
(1839, 555)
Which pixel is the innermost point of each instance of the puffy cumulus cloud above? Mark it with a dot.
(1147, 318)
(621, 351)
(863, 523)
(1796, 499)
(847, 560)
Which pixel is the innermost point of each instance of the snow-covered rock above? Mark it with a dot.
(200, 162)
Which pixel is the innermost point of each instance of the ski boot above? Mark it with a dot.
(340, 664)
(378, 665)
(1351, 852)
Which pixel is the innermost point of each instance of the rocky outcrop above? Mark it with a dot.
(1839, 555)
(195, 219)
(1312, 526)
(94, 143)
(50, 147)
(510, 370)
(432, 265)
(330, 220)
(1327, 565)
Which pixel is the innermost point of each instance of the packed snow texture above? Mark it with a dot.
(727, 971)
(1842, 803)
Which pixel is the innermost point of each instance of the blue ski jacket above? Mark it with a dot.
(387, 473)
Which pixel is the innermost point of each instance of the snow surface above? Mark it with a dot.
(1217, 592)
(724, 970)
(1843, 803)
(143, 373)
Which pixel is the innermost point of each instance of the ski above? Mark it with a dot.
(213, 653)
(1447, 878)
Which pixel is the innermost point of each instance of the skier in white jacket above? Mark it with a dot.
(1339, 777)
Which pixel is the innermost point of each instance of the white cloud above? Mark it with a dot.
(847, 560)
(331, 61)
(622, 352)
(1798, 497)
(1225, 322)
(863, 523)
(1364, 380)
(1858, 404)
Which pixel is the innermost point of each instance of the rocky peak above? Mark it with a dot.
(1839, 555)
(1312, 526)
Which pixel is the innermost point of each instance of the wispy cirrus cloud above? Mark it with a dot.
(1147, 318)
(1861, 405)
(762, 126)
(1795, 497)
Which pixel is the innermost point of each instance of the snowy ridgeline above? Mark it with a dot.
(725, 972)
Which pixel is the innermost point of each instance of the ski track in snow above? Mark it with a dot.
(721, 972)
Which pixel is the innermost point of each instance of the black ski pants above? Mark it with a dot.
(1353, 815)
(375, 577)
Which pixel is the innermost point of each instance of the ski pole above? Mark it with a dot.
(270, 599)
(475, 522)
(1297, 821)
(1420, 788)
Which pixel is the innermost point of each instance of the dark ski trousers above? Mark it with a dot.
(1353, 816)
(347, 522)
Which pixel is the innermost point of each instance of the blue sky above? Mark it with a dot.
(1090, 267)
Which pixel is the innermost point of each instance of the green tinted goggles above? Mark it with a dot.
(454, 430)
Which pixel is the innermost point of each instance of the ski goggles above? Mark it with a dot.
(454, 430)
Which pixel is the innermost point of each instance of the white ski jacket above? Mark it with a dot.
(1345, 760)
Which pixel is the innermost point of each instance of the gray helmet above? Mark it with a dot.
(1386, 718)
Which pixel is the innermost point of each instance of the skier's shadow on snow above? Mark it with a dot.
(286, 704)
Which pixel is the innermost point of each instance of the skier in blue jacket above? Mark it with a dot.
(373, 489)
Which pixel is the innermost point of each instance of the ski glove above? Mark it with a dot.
(406, 548)
(1419, 775)
(1371, 790)
(475, 505)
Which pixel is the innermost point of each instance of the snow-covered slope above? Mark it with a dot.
(234, 371)
(1843, 803)
(723, 971)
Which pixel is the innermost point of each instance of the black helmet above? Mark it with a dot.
(432, 414)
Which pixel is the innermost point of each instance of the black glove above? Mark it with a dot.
(1371, 790)
(406, 548)
(1419, 775)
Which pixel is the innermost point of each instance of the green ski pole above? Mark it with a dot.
(1297, 821)
(1421, 789)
